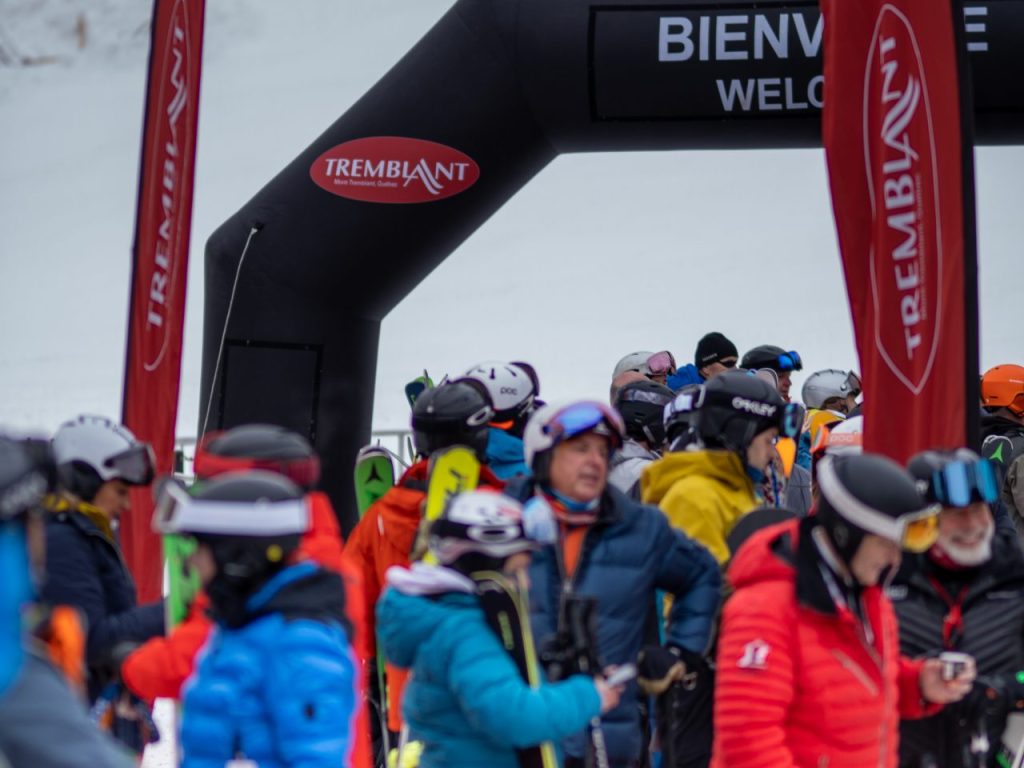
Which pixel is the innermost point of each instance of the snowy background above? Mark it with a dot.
(666, 246)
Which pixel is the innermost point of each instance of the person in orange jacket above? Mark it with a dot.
(160, 667)
(456, 413)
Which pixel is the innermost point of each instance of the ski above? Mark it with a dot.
(374, 475)
(182, 579)
(505, 606)
(451, 471)
(417, 386)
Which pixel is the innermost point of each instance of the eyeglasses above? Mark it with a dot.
(661, 364)
(959, 483)
(790, 361)
(134, 466)
(586, 416)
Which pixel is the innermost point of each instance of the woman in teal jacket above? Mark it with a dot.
(467, 701)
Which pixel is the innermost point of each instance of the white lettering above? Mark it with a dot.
(736, 91)
(723, 37)
(674, 43)
(768, 88)
(779, 41)
(810, 43)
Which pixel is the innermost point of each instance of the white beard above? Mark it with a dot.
(969, 556)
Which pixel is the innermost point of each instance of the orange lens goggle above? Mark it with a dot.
(921, 532)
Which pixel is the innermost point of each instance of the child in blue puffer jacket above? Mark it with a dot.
(275, 685)
(467, 701)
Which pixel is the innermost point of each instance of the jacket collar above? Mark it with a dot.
(811, 588)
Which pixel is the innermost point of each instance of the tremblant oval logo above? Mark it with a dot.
(394, 169)
(903, 184)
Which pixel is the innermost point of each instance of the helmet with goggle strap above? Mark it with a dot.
(955, 478)
(735, 406)
(554, 424)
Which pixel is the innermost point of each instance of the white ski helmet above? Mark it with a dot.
(822, 386)
(487, 524)
(553, 423)
(846, 438)
(92, 450)
(512, 387)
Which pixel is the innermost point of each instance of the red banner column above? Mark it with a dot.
(160, 263)
(900, 171)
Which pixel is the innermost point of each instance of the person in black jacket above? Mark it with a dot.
(97, 462)
(966, 594)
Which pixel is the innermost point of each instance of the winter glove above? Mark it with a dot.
(658, 667)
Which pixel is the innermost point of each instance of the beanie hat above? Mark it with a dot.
(713, 348)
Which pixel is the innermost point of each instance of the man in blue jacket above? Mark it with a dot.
(715, 354)
(608, 547)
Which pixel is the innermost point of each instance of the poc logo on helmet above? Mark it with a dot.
(754, 407)
(509, 391)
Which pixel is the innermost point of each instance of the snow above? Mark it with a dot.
(599, 256)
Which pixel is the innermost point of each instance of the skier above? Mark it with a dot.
(778, 360)
(456, 413)
(656, 366)
(275, 684)
(809, 671)
(513, 388)
(466, 700)
(160, 667)
(606, 547)
(642, 406)
(831, 390)
(715, 354)
(965, 594)
(704, 492)
(98, 461)
(42, 722)
(1002, 428)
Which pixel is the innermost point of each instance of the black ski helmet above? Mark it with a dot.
(27, 473)
(770, 356)
(868, 494)
(954, 478)
(456, 413)
(736, 407)
(642, 407)
(258, 446)
(680, 417)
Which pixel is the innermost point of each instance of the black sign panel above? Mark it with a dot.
(716, 61)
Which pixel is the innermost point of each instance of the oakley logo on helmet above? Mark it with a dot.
(754, 407)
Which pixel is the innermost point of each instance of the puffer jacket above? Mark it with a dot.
(466, 701)
(989, 602)
(627, 464)
(628, 554)
(279, 690)
(85, 569)
(703, 493)
(505, 456)
(798, 682)
(685, 375)
(384, 538)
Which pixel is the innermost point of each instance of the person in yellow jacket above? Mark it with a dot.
(705, 489)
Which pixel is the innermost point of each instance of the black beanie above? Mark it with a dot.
(712, 348)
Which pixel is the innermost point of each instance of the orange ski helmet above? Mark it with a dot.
(1003, 387)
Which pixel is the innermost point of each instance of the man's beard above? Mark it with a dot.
(969, 555)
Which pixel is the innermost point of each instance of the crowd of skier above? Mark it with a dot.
(701, 572)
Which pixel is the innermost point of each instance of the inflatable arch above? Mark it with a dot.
(298, 281)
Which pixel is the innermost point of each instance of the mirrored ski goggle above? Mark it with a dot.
(919, 531)
(661, 364)
(853, 385)
(790, 361)
(791, 423)
(637, 395)
(586, 416)
(959, 483)
(134, 466)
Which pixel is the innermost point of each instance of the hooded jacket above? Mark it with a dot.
(627, 555)
(627, 464)
(384, 538)
(703, 493)
(801, 682)
(466, 700)
(280, 689)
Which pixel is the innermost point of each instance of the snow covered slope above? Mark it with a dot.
(600, 255)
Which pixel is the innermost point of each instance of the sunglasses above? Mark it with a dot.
(959, 483)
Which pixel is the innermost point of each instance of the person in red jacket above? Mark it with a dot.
(160, 667)
(809, 668)
(456, 413)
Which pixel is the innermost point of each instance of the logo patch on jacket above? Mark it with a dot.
(755, 655)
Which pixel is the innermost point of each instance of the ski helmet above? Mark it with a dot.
(258, 446)
(871, 494)
(642, 407)
(456, 413)
(1003, 387)
(770, 356)
(554, 424)
(847, 437)
(93, 450)
(822, 386)
(478, 531)
(680, 415)
(648, 363)
(510, 386)
(27, 473)
(954, 478)
(735, 407)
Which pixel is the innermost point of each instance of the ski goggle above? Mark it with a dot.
(789, 361)
(177, 512)
(637, 395)
(134, 466)
(791, 422)
(661, 364)
(586, 416)
(914, 531)
(959, 483)
(853, 385)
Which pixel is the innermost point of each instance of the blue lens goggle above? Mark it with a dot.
(792, 423)
(959, 483)
(584, 417)
(790, 361)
